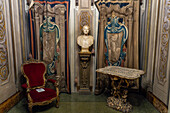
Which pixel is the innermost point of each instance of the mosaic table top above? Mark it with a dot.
(122, 72)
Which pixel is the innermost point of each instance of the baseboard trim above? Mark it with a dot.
(12, 101)
(158, 104)
(91, 87)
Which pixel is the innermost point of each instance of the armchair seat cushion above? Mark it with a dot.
(42, 96)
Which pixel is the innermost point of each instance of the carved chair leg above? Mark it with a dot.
(58, 99)
(57, 102)
(30, 108)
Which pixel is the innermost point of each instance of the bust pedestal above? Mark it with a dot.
(85, 41)
(84, 72)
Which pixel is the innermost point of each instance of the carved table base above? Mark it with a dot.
(119, 104)
(119, 86)
(119, 92)
(120, 77)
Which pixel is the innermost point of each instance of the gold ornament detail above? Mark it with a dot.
(3, 47)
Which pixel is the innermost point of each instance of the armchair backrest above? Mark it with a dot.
(34, 72)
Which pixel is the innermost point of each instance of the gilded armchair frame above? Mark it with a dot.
(28, 89)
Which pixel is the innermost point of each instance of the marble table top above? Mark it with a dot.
(122, 72)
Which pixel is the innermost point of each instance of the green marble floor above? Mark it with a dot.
(75, 103)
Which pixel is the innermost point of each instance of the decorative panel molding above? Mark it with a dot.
(164, 44)
(162, 66)
(8, 81)
(84, 4)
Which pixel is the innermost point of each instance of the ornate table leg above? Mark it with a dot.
(116, 87)
(119, 91)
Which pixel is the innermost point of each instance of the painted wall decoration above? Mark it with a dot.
(49, 39)
(8, 23)
(120, 18)
(162, 58)
(3, 47)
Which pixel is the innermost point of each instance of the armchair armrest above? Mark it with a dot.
(24, 86)
(51, 80)
(55, 82)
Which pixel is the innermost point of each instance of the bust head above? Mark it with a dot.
(85, 41)
(86, 29)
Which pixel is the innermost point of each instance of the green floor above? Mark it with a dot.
(76, 103)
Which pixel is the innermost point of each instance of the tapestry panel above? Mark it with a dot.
(118, 36)
(49, 39)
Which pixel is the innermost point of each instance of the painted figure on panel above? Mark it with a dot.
(115, 36)
(50, 36)
(85, 41)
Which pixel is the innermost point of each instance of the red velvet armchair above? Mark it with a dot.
(37, 94)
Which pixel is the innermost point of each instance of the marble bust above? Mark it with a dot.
(85, 41)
